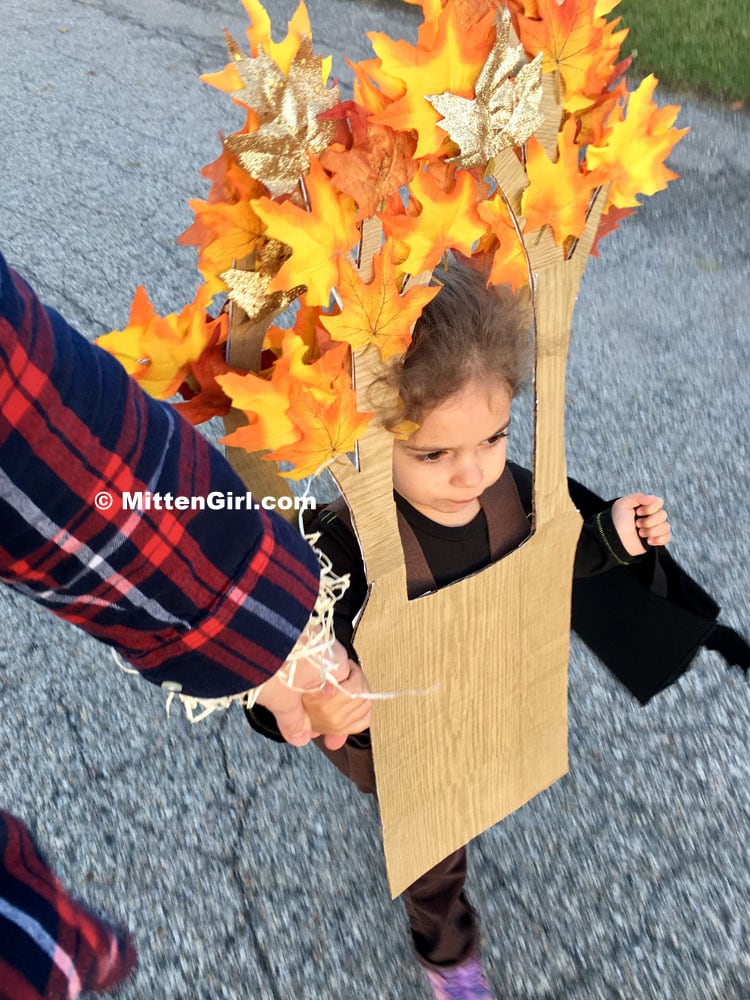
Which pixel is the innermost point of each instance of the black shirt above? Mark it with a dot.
(451, 552)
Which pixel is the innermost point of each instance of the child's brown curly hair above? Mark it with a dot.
(468, 331)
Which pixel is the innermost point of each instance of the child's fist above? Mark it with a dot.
(641, 521)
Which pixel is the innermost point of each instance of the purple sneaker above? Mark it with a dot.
(460, 982)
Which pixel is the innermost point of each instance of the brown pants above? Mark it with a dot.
(443, 924)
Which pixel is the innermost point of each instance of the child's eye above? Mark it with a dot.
(430, 456)
(497, 438)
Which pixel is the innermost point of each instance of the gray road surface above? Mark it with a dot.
(247, 871)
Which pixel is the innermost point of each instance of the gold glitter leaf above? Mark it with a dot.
(287, 108)
(504, 112)
(249, 289)
(263, 81)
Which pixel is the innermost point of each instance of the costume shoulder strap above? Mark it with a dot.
(507, 522)
(419, 579)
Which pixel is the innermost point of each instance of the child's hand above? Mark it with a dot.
(335, 714)
(641, 521)
(286, 703)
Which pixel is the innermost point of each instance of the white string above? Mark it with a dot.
(121, 663)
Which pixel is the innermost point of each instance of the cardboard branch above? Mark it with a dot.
(244, 350)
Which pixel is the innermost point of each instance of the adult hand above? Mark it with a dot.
(286, 702)
(641, 521)
(335, 713)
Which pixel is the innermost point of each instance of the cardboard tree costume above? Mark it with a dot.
(507, 135)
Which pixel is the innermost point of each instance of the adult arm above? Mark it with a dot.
(209, 601)
(338, 542)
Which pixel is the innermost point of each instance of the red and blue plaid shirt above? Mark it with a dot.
(212, 600)
(51, 948)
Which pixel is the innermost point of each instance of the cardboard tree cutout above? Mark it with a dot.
(489, 147)
(490, 650)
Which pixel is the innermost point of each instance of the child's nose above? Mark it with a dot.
(468, 472)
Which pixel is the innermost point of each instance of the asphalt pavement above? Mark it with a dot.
(251, 871)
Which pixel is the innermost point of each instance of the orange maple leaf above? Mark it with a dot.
(306, 413)
(259, 33)
(559, 192)
(228, 80)
(406, 73)
(224, 233)
(375, 313)
(427, 33)
(610, 221)
(593, 120)
(631, 156)
(324, 430)
(467, 11)
(266, 398)
(229, 181)
(266, 407)
(577, 42)
(158, 351)
(605, 69)
(306, 326)
(376, 163)
(366, 93)
(125, 344)
(265, 402)
(316, 376)
(444, 221)
(316, 238)
(509, 260)
(225, 228)
(204, 397)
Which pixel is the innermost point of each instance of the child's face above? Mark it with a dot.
(458, 451)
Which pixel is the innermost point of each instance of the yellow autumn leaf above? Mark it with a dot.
(559, 191)
(631, 156)
(445, 221)
(157, 351)
(375, 312)
(324, 431)
(316, 238)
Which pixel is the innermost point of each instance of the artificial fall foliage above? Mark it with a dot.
(304, 412)
(505, 109)
(444, 220)
(414, 153)
(284, 122)
(559, 193)
(508, 260)
(159, 351)
(203, 397)
(374, 312)
(407, 74)
(371, 162)
(574, 40)
(632, 153)
(318, 235)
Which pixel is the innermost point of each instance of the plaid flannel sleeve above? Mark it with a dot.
(51, 946)
(212, 600)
